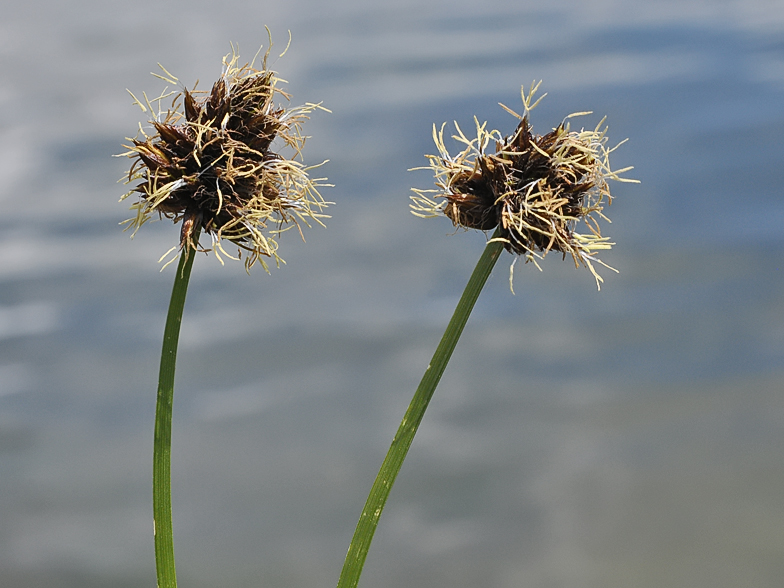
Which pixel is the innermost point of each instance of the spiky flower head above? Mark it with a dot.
(534, 188)
(208, 163)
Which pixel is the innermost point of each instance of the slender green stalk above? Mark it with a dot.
(161, 459)
(368, 521)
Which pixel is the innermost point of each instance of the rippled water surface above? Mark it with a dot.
(632, 437)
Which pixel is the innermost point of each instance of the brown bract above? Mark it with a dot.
(534, 188)
(210, 164)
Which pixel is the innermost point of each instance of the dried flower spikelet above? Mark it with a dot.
(535, 188)
(209, 164)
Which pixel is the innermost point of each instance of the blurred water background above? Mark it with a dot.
(632, 437)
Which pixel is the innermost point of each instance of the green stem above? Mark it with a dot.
(161, 459)
(368, 521)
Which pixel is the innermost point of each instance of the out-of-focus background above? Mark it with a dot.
(628, 437)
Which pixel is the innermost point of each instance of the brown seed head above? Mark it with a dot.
(535, 188)
(209, 163)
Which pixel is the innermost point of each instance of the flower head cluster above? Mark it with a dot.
(534, 188)
(209, 163)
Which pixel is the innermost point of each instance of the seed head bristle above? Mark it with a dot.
(535, 188)
(208, 163)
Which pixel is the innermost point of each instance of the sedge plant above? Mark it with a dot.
(533, 191)
(206, 162)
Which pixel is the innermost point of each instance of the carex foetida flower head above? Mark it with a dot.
(534, 188)
(208, 163)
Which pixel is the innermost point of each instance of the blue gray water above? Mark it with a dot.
(632, 437)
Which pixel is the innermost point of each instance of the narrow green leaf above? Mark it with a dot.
(161, 461)
(368, 521)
